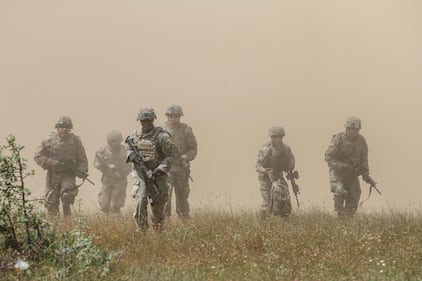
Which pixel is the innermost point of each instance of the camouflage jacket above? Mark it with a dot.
(112, 164)
(275, 160)
(346, 156)
(185, 143)
(70, 151)
(156, 146)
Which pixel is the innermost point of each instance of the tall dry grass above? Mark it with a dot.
(222, 245)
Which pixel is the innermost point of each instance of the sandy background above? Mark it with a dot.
(237, 68)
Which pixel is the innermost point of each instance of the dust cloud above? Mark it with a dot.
(237, 68)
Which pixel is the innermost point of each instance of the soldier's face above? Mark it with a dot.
(277, 140)
(147, 124)
(63, 131)
(352, 133)
(173, 119)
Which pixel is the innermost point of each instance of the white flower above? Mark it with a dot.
(22, 265)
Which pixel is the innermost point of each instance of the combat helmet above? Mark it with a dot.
(64, 121)
(353, 122)
(276, 131)
(146, 113)
(114, 137)
(174, 109)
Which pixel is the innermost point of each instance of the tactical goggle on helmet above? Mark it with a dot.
(64, 122)
(146, 113)
(276, 131)
(174, 110)
(353, 122)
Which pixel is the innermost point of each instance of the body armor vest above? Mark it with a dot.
(63, 151)
(147, 148)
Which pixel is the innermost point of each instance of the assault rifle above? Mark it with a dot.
(366, 178)
(292, 176)
(372, 184)
(147, 173)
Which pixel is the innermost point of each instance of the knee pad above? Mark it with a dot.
(67, 198)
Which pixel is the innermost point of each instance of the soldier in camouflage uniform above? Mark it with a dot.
(274, 158)
(157, 148)
(347, 158)
(111, 161)
(179, 175)
(63, 156)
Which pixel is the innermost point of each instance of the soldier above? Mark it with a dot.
(63, 156)
(111, 161)
(185, 143)
(274, 158)
(347, 158)
(157, 151)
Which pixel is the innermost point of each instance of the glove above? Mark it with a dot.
(157, 172)
(368, 180)
(81, 174)
(133, 157)
(268, 170)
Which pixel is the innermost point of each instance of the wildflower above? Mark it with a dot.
(22, 265)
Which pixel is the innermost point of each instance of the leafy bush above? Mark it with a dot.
(23, 230)
(26, 236)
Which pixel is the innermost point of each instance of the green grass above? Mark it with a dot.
(219, 245)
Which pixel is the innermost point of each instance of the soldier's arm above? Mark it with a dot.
(129, 151)
(99, 161)
(290, 161)
(331, 155)
(191, 144)
(82, 160)
(168, 149)
(124, 167)
(42, 158)
(364, 166)
(263, 154)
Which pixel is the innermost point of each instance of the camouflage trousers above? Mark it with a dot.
(347, 192)
(276, 197)
(112, 195)
(60, 186)
(142, 195)
(179, 182)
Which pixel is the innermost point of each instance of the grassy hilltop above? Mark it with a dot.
(219, 245)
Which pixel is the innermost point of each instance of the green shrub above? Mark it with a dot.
(23, 230)
(29, 242)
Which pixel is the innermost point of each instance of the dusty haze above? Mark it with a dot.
(237, 68)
